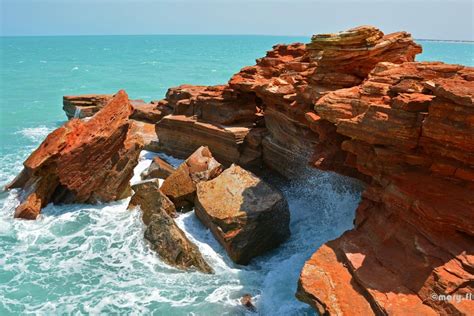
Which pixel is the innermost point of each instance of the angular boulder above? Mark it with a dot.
(246, 215)
(158, 169)
(148, 196)
(83, 162)
(180, 186)
(165, 237)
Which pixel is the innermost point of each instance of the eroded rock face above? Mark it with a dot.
(180, 186)
(81, 106)
(165, 237)
(410, 129)
(148, 196)
(292, 77)
(282, 88)
(158, 169)
(83, 162)
(172, 245)
(246, 215)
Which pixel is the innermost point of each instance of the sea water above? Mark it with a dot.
(92, 259)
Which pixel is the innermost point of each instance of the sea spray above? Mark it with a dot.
(93, 258)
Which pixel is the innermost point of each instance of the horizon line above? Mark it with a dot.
(184, 34)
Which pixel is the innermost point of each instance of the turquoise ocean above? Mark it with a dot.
(83, 259)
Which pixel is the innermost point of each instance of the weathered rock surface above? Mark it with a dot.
(246, 215)
(355, 103)
(84, 162)
(165, 237)
(147, 132)
(81, 106)
(149, 112)
(180, 186)
(410, 129)
(158, 169)
(291, 78)
(216, 116)
(148, 196)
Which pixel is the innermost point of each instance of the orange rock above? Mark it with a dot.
(84, 162)
(180, 186)
(410, 129)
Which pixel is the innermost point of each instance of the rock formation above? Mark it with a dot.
(410, 128)
(246, 215)
(158, 169)
(355, 103)
(218, 117)
(83, 162)
(180, 186)
(81, 106)
(165, 237)
(148, 196)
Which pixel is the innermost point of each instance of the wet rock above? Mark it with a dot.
(246, 215)
(180, 186)
(82, 162)
(81, 106)
(172, 245)
(246, 301)
(165, 237)
(158, 169)
(148, 196)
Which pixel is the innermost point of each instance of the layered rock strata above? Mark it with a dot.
(246, 215)
(355, 103)
(218, 117)
(165, 237)
(81, 106)
(410, 128)
(81, 162)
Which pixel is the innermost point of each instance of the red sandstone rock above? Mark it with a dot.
(180, 186)
(291, 78)
(406, 130)
(149, 112)
(410, 129)
(80, 106)
(84, 162)
(246, 215)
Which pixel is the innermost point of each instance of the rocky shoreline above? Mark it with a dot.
(354, 103)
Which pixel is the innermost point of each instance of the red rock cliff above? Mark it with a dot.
(410, 129)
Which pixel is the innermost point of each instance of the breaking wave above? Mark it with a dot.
(93, 258)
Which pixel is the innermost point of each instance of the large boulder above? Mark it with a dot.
(180, 186)
(165, 237)
(158, 169)
(82, 162)
(245, 214)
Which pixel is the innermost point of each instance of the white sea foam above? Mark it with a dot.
(94, 259)
(35, 134)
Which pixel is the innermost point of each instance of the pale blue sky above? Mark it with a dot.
(433, 19)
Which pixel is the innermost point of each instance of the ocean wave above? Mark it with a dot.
(35, 134)
(93, 259)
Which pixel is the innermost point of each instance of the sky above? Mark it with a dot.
(425, 19)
